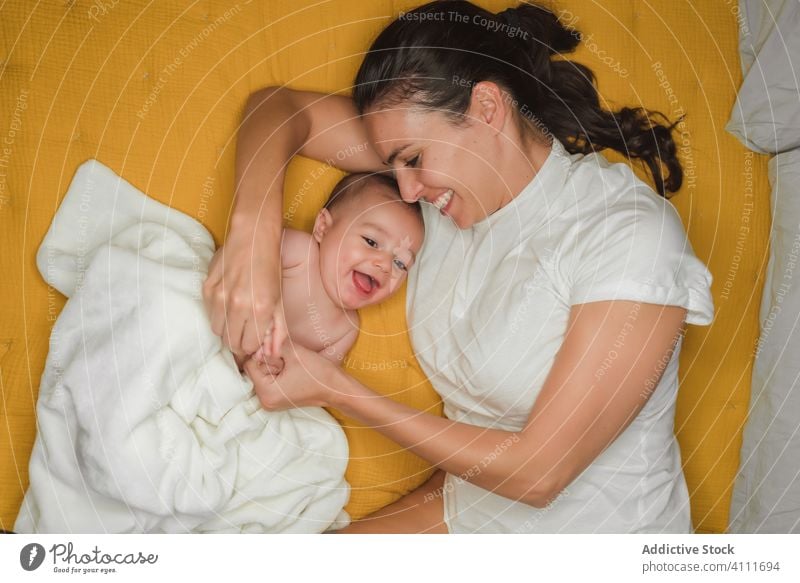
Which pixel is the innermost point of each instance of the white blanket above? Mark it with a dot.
(145, 424)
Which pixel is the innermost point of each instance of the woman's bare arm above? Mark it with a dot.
(242, 291)
(582, 407)
(279, 123)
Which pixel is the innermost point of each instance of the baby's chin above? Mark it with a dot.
(358, 304)
(339, 302)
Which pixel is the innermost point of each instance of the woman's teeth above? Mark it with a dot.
(442, 201)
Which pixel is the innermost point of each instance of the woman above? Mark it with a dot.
(548, 302)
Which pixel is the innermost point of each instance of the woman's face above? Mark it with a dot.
(459, 169)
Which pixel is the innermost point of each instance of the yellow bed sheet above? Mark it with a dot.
(155, 90)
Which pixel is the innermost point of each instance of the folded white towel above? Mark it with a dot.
(145, 424)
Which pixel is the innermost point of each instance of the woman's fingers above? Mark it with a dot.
(213, 298)
(242, 296)
(217, 317)
(264, 310)
(232, 335)
(279, 331)
(249, 338)
(259, 356)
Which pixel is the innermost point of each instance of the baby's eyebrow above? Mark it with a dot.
(375, 227)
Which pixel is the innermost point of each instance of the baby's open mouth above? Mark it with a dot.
(364, 283)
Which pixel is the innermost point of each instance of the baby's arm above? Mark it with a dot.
(295, 248)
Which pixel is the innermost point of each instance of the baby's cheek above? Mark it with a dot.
(395, 281)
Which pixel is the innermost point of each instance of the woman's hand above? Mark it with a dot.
(243, 295)
(242, 291)
(307, 380)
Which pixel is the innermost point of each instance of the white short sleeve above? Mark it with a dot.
(637, 250)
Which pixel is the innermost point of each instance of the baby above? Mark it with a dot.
(364, 241)
(170, 438)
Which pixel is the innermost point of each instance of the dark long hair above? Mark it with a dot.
(434, 55)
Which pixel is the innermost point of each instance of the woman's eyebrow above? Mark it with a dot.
(394, 154)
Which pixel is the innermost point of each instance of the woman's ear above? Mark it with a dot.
(489, 104)
(322, 225)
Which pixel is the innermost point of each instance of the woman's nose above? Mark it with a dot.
(410, 188)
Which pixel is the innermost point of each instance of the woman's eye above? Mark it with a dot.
(370, 242)
(413, 162)
(400, 265)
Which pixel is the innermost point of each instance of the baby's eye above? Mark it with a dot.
(413, 162)
(400, 265)
(370, 242)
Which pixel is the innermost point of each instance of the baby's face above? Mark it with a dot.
(367, 249)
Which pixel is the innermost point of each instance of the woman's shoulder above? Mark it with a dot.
(624, 241)
(618, 219)
(629, 223)
(610, 197)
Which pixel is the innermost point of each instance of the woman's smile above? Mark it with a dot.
(442, 203)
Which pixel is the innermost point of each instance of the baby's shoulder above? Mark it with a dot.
(297, 248)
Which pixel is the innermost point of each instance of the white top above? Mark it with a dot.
(488, 308)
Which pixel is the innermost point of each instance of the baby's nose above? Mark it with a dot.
(383, 262)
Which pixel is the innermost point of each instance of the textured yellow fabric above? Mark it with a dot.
(155, 90)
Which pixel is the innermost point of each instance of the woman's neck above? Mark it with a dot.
(521, 167)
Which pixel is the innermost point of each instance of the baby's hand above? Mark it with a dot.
(259, 356)
(273, 339)
(269, 364)
(263, 354)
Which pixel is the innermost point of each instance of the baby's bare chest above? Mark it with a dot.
(310, 319)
